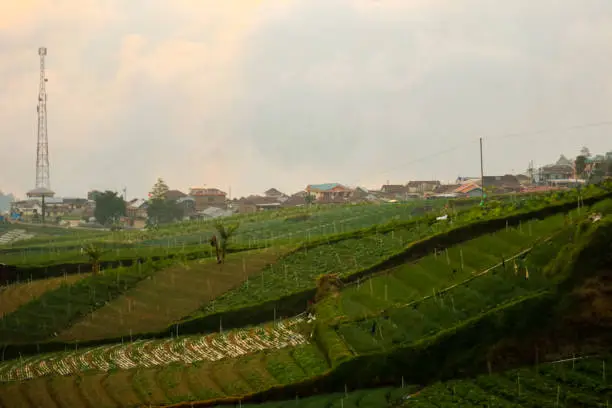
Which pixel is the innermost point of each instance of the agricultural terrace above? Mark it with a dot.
(565, 383)
(16, 295)
(299, 270)
(568, 383)
(378, 325)
(45, 234)
(279, 227)
(185, 369)
(53, 311)
(155, 303)
(409, 282)
(399, 310)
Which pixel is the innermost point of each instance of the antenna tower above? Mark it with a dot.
(42, 147)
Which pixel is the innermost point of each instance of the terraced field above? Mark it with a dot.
(401, 285)
(255, 231)
(235, 364)
(568, 383)
(408, 311)
(16, 295)
(299, 270)
(53, 311)
(170, 294)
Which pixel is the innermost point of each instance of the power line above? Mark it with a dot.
(469, 142)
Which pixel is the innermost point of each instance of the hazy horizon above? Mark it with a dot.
(261, 94)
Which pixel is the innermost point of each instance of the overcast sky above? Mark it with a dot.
(258, 94)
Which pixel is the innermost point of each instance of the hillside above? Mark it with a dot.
(408, 305)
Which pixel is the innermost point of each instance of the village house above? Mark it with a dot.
(329, 192)
(563, 169)
(274, 193)
(468, 190)
(174, 195)
(136, 209)
(422, 187)
(254, 203)
(208, 197)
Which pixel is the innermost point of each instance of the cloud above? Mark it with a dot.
(255, 94)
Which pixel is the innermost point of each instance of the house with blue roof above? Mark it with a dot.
(329, 191)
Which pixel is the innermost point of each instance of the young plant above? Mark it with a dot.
(95, 254)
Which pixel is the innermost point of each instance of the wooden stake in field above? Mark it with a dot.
(447, 257)
(371, 288)
(461, 254)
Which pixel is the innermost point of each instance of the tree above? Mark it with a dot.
(225, 233)
(585, 152)
(162, 211)
(160, 189)
(109, 206)
(309, 198)
(580, 165)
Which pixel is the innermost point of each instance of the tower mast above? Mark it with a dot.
(42, 147)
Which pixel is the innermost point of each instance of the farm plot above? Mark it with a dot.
(41, 318)
(366, 398)
(264, 365)
(435, 272)
(406, 325)
(580, 383)
(299, 270)
(172, 293)
(151, 353)
(16, 295)
(445, 309)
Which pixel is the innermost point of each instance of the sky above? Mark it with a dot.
(254, 94)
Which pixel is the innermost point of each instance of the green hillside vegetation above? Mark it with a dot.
(412, 311)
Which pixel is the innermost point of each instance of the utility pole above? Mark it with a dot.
(482, 186)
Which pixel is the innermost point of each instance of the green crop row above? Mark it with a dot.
(298, 271)
(367, 398)
(42, 317)
(579, 383)
(424, 318)
(167, 384)
(435, 272)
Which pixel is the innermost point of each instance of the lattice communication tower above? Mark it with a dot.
(42, 147)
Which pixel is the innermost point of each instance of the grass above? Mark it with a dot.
(16, 295)
(39, 319)
(170, 294)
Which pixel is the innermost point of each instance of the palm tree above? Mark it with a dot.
(94, 253)
(225, 233)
